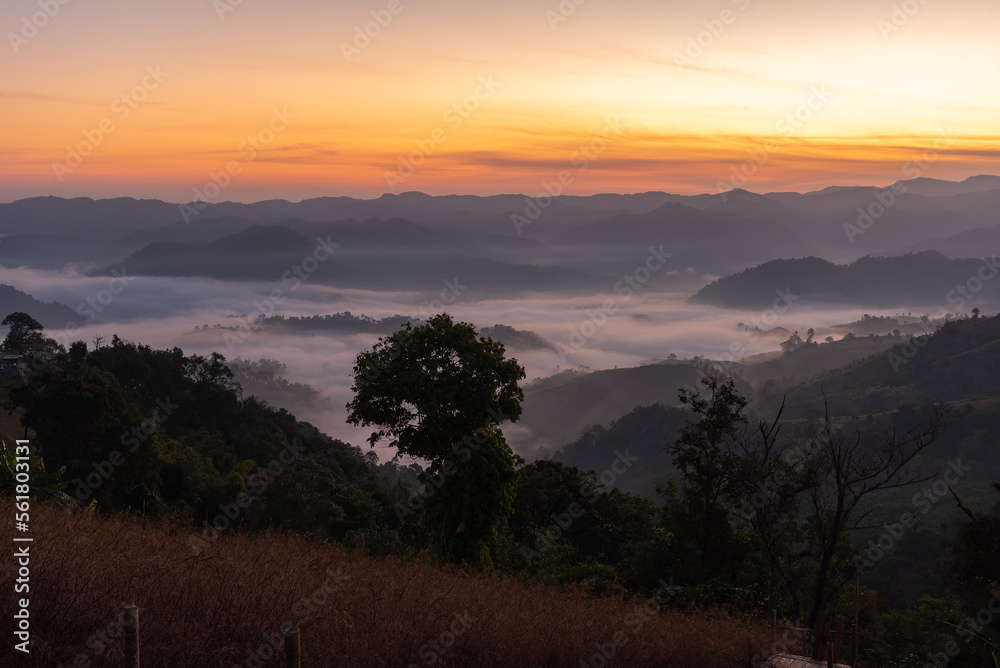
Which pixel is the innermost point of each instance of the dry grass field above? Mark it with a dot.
(226, 606)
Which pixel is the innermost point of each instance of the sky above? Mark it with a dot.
(309, 98)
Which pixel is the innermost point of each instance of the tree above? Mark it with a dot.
(843, 469)
(812, 490)
(439, 392)
(793, 342)
(976, 550)
(768, 486)
(24, 331)
(704, 458)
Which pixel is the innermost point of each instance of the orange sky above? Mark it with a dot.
(472, 97)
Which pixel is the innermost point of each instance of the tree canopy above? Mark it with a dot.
(439, 392)
(24, 331)
(428, 388)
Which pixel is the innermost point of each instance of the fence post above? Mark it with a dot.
(854, 646)
(839, 638)
(829, 655)
(131, 636)
(857, 627)
(293, 658)
(822, 637)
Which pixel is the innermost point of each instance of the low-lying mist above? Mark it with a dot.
(599, 331)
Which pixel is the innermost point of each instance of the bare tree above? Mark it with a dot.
(770, 485)
(801, 499)
(845, 468)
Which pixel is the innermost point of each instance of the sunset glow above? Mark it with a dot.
(489, 98)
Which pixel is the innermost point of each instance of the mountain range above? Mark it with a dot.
(570, 243)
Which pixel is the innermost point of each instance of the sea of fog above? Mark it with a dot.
(597, 332)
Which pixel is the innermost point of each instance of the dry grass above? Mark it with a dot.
(216, 608)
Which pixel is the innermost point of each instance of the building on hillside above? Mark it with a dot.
(14, 366)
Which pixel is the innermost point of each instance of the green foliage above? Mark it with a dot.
(698, 513)
(43, 485)
(567, 527)
(24, 330)
(171, 434)
(976, 552)
(132, 427)
(438, 392)
(430, 387)
(466, 518)
(642, 431)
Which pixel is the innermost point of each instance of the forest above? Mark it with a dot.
(765, 509)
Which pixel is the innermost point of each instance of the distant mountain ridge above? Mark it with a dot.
(384, 255)
(567, 243)
(52, 315)
(918, 279)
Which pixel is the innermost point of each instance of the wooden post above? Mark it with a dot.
(857, 628)
(822, 637)
(750, 653)
(131, 636)
(293, 658)
(839, 638)
(829, 655)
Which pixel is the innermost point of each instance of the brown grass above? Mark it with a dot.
(217, 607)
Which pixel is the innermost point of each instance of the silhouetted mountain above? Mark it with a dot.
(199, 231)
(347, 323)
(84, 217)
(53, 251)
(52, 315)
(919, 279)
(978, 242)
(942, 188)
(959, 362)
(645, 432)
(256, 253)
(557, 409)
(516, 339)
(695, 237)
(739, 202)
(808, 361)
(606, 234)
(849, 223)
(376, 254)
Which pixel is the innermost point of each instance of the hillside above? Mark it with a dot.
(347, 323)
(917, 279)
(691, 234)
(52, 315)
(376, 255)
(351, 610)
(601, 235)
(256, 253)
(805, 362)
(960, 362)
(646, 432)
(559, 408)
